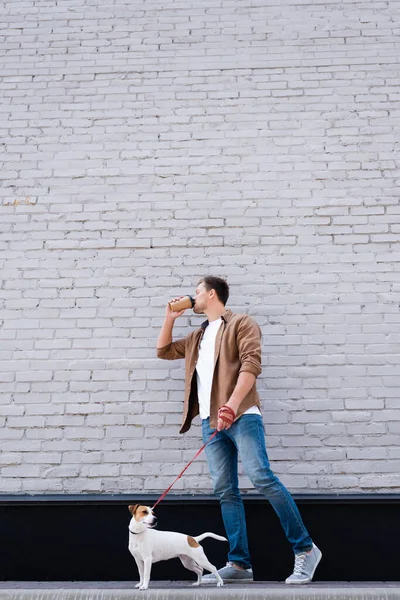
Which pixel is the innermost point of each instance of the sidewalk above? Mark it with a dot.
(182, 590)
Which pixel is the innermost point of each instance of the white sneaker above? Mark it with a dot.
(304, 566)
(230, 574)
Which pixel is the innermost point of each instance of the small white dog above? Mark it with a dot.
(148, 546)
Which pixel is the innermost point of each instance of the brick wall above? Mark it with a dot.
(144, 145)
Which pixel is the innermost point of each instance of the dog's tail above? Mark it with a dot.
(198, 538)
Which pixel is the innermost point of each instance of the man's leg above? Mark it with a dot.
(248, 435)
(222, 460)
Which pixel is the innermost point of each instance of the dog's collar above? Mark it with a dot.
(135, 532)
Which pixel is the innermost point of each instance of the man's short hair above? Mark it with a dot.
(218, 284)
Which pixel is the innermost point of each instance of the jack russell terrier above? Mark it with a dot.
(148, 546)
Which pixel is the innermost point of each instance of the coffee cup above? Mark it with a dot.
(181, 304)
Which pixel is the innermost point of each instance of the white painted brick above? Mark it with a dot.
(121, 189)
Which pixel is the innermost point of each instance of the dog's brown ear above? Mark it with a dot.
(133, 508)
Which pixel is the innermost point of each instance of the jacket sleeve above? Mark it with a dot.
(249, 346)
(173, 350)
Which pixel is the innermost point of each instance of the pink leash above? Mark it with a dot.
(183, 470)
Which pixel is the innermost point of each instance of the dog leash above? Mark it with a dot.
(228, 418)
(183, 470)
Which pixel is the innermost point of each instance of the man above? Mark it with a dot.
(223, 359)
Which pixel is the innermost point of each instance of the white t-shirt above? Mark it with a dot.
(205, 370)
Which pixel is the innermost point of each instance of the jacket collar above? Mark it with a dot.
(226, 316)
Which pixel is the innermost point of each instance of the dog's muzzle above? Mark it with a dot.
(153, 522)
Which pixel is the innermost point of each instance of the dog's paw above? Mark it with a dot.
(138, 585)
(196, 584)
(220, 583)
(143, 587)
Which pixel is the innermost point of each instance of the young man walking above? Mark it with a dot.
(222, 361)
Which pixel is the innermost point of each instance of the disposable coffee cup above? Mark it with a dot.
(181, 304)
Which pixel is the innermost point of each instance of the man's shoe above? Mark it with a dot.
(304, 566)
(230, 574)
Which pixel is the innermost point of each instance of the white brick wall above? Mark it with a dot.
(144, 145)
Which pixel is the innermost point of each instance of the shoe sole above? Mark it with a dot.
(309, 580)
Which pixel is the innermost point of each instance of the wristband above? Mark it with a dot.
(228, 418)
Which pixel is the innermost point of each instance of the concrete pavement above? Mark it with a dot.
(182, 590)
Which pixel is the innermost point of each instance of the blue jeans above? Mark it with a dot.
(246, 437)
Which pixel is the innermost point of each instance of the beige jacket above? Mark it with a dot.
(237, 349)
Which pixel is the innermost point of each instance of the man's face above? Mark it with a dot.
(201, 299)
